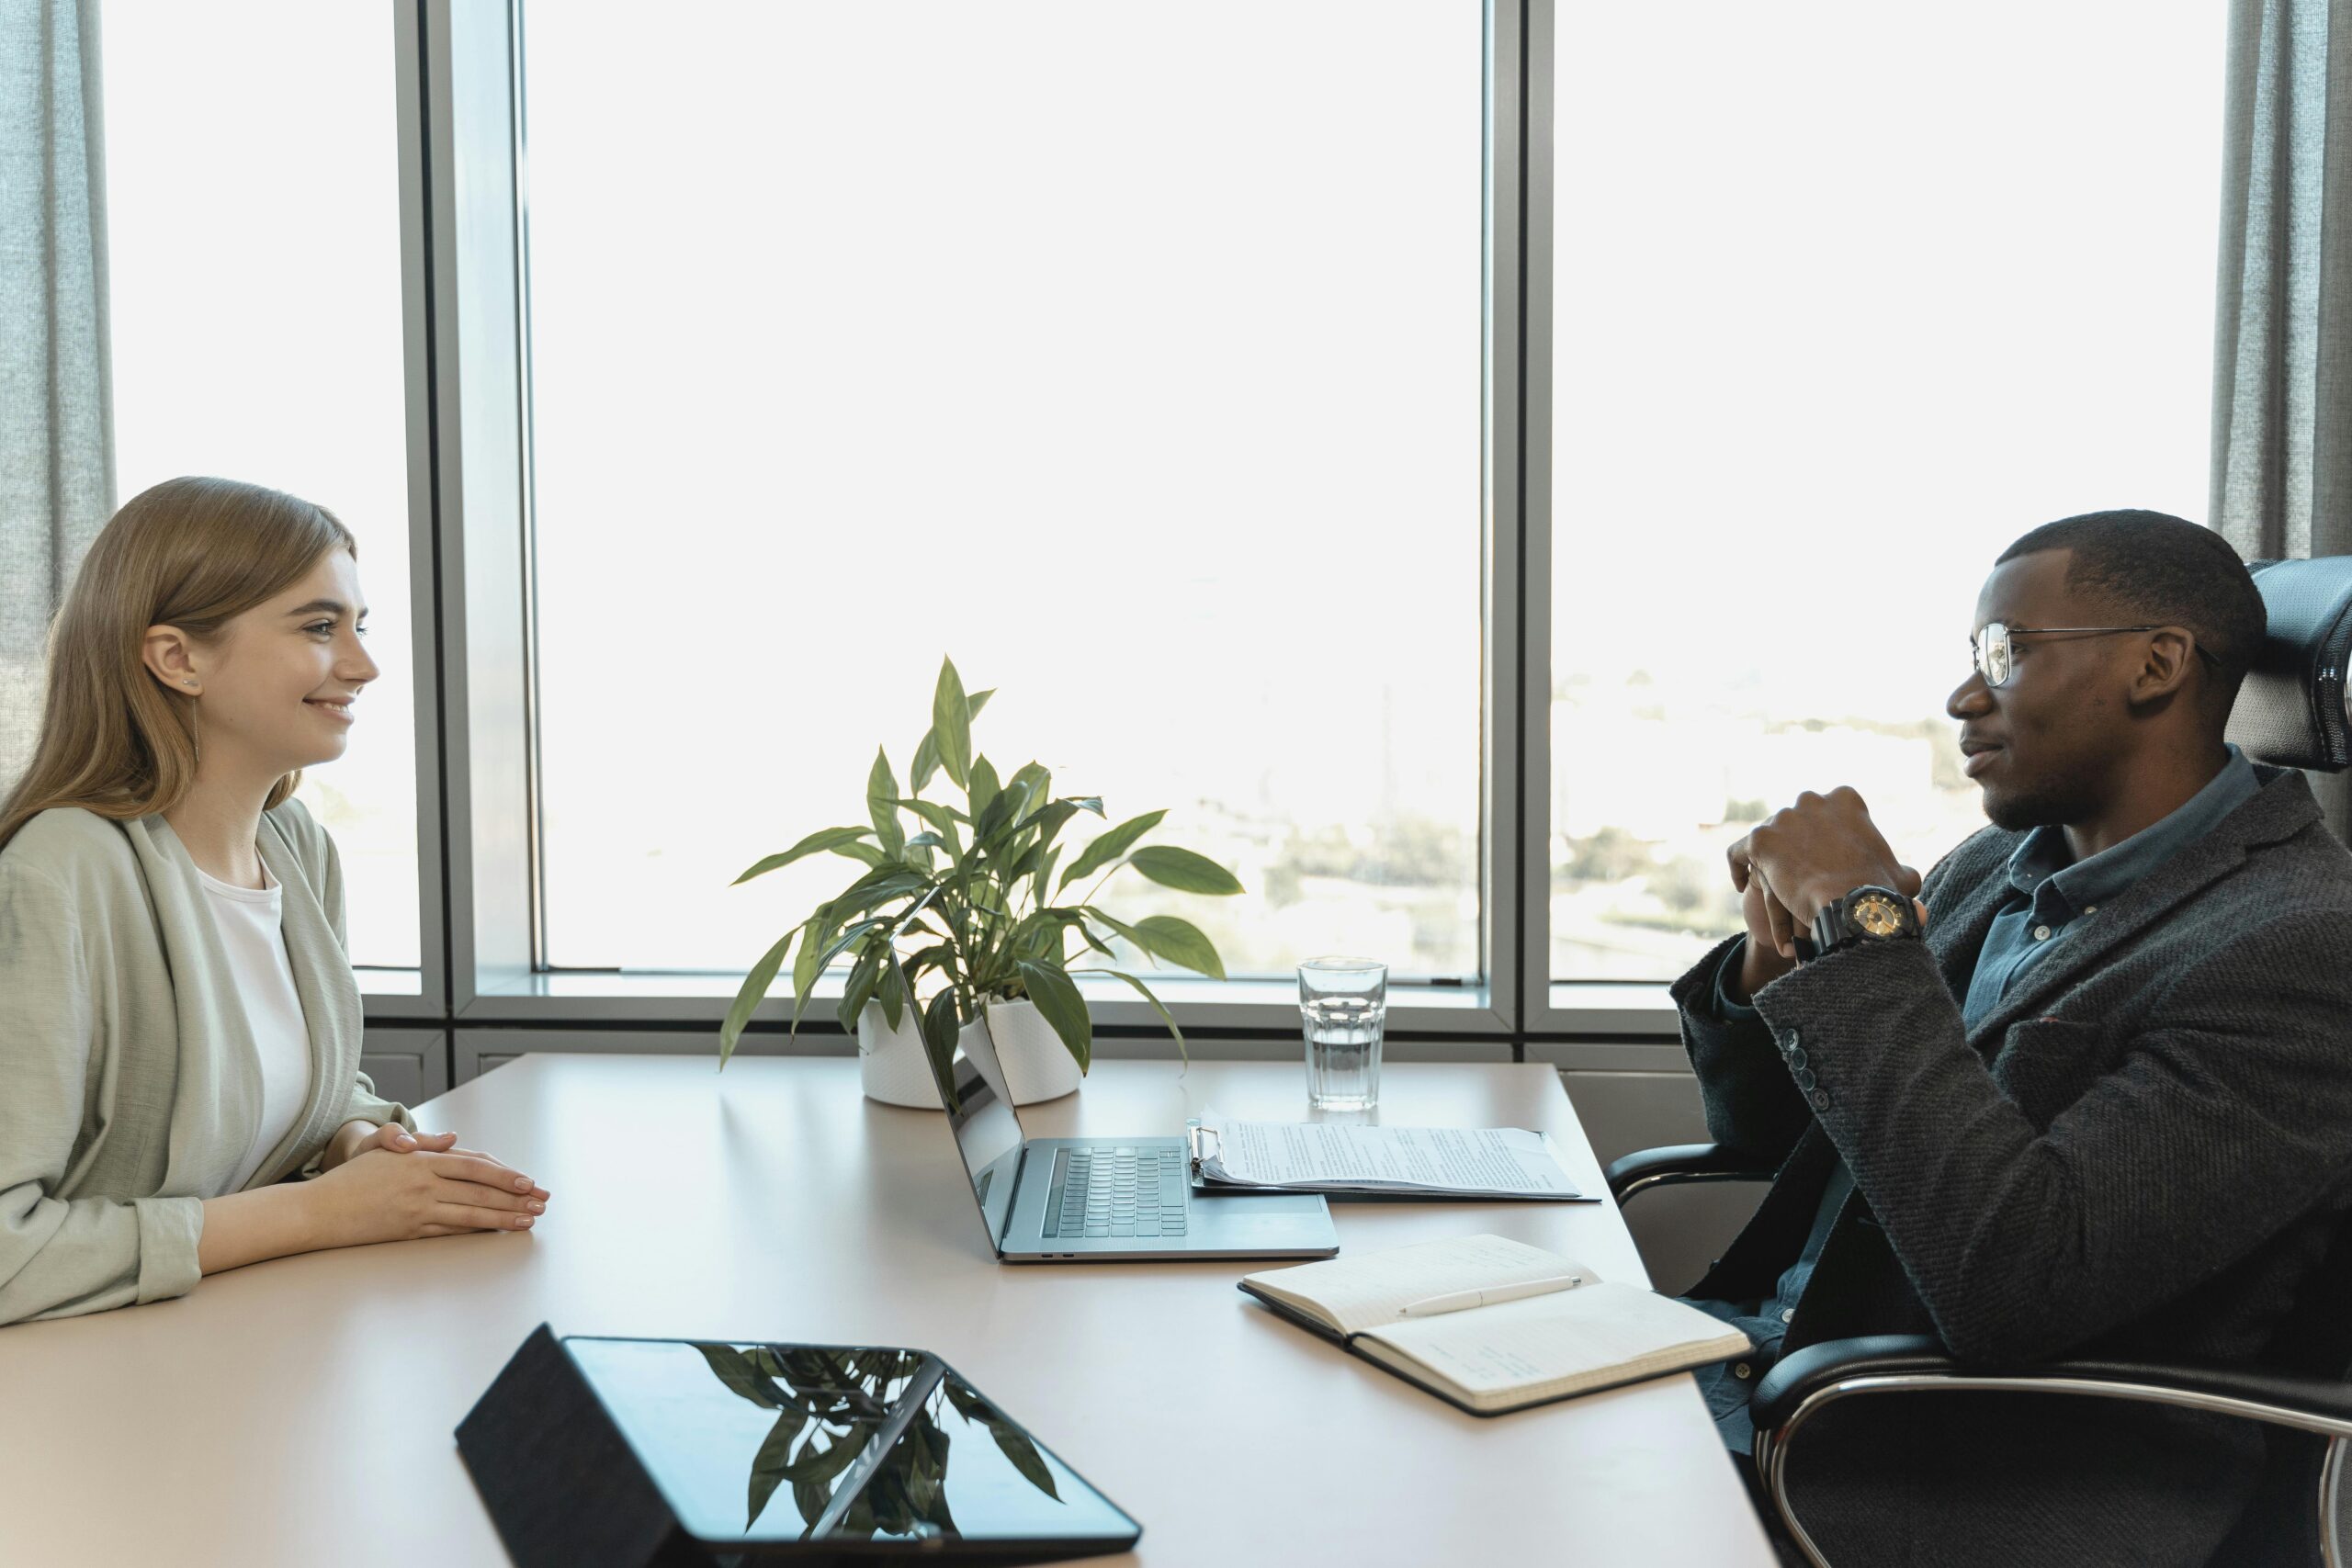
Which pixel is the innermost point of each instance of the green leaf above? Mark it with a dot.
(939, 955)
(940, 1027)
(892, 881)
(1039, 781)
(1025, 1457)
(1180, 942)
(1135, 938)
(951, 721)
(926, 760)
(984, 787)
(864, 977)
(804, 967)
(1110, 845)
(881, 804)
(893, 993)
(821, 839)
(838, 945)
(1145, 991)
(1044, 873)
(741, 1375)
(943, 819)
(908, 920)
(1063, 1008)
(1092, 941)
(755, 986)
(1184, 870)
(864, 853)
(1047, 820)
(768, 1465)
(998, 823)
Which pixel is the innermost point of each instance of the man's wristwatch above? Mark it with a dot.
(1867, 914)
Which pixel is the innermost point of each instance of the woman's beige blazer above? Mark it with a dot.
(129, 1086)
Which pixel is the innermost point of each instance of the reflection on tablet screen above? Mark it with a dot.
(794, 1442)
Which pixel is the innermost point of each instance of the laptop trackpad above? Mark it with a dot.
(1269, 1203)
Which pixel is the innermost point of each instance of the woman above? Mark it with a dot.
(179, 1027)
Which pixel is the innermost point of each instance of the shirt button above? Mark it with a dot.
(1788, 1315)
(1797, 1058)
(1820, 1099)
(2042, 933)
(1805, 1079)
(2090, 908)
(1740, 1370)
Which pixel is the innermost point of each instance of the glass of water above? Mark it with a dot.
(1343, 1007)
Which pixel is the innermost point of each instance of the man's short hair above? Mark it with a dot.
(2164, 570)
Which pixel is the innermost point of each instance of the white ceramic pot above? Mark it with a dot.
(891, 1064)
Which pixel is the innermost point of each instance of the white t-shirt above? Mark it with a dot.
(250, 920)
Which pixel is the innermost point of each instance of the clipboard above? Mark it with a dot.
(1201, 1142)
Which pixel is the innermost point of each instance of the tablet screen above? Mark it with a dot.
(799, 1442)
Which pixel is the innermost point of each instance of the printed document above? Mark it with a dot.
(1334, 1156)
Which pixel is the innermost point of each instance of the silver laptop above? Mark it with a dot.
(1081, 1200)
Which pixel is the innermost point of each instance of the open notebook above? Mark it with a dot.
(1499, 1355)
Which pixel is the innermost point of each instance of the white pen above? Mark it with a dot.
(1461, 1301)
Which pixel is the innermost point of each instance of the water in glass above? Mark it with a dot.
(1342, 1009)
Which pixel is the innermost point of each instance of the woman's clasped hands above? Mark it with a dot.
(393, 1185)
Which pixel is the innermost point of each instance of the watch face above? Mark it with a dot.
(1877, 914)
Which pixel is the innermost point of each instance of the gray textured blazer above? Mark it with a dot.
(129, 1085)
(2143, 1150)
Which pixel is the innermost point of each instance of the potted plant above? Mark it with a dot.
(969, 922)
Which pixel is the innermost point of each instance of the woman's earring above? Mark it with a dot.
(188, 682)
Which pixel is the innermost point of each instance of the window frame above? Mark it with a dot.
(464, 227)
(465, 232)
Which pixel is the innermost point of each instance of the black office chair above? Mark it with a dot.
(2291, 711)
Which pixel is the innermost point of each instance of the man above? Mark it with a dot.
(2089, 1094)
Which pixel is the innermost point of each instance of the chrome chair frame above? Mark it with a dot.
(1810, 1380)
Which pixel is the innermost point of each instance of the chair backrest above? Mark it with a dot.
(2291, 709)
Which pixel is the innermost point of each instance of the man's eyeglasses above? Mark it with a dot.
(1995, 659)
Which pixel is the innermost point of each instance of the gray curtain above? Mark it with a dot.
(2282, 371)
(56, 407)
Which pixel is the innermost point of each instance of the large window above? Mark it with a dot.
(1129, 356)
(1846, 297)
(255, 255)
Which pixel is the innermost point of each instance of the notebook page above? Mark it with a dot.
(1355, 1293)
(1569, 1336)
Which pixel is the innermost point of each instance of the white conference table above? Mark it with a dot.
(300, 1411)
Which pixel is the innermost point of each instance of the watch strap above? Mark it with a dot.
(1833, 929)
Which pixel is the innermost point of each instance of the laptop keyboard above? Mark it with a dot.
(1108, 1191)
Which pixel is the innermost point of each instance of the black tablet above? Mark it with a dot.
(797, 1452)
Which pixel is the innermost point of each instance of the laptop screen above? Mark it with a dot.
(988, 1133)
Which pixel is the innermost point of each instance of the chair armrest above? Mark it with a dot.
(1673, 1163)
(1898, 1362)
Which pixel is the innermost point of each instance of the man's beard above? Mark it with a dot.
(2046, 805)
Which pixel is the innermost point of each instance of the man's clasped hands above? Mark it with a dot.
(1798, 862)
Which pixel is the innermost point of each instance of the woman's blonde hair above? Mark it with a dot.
(192, 553)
